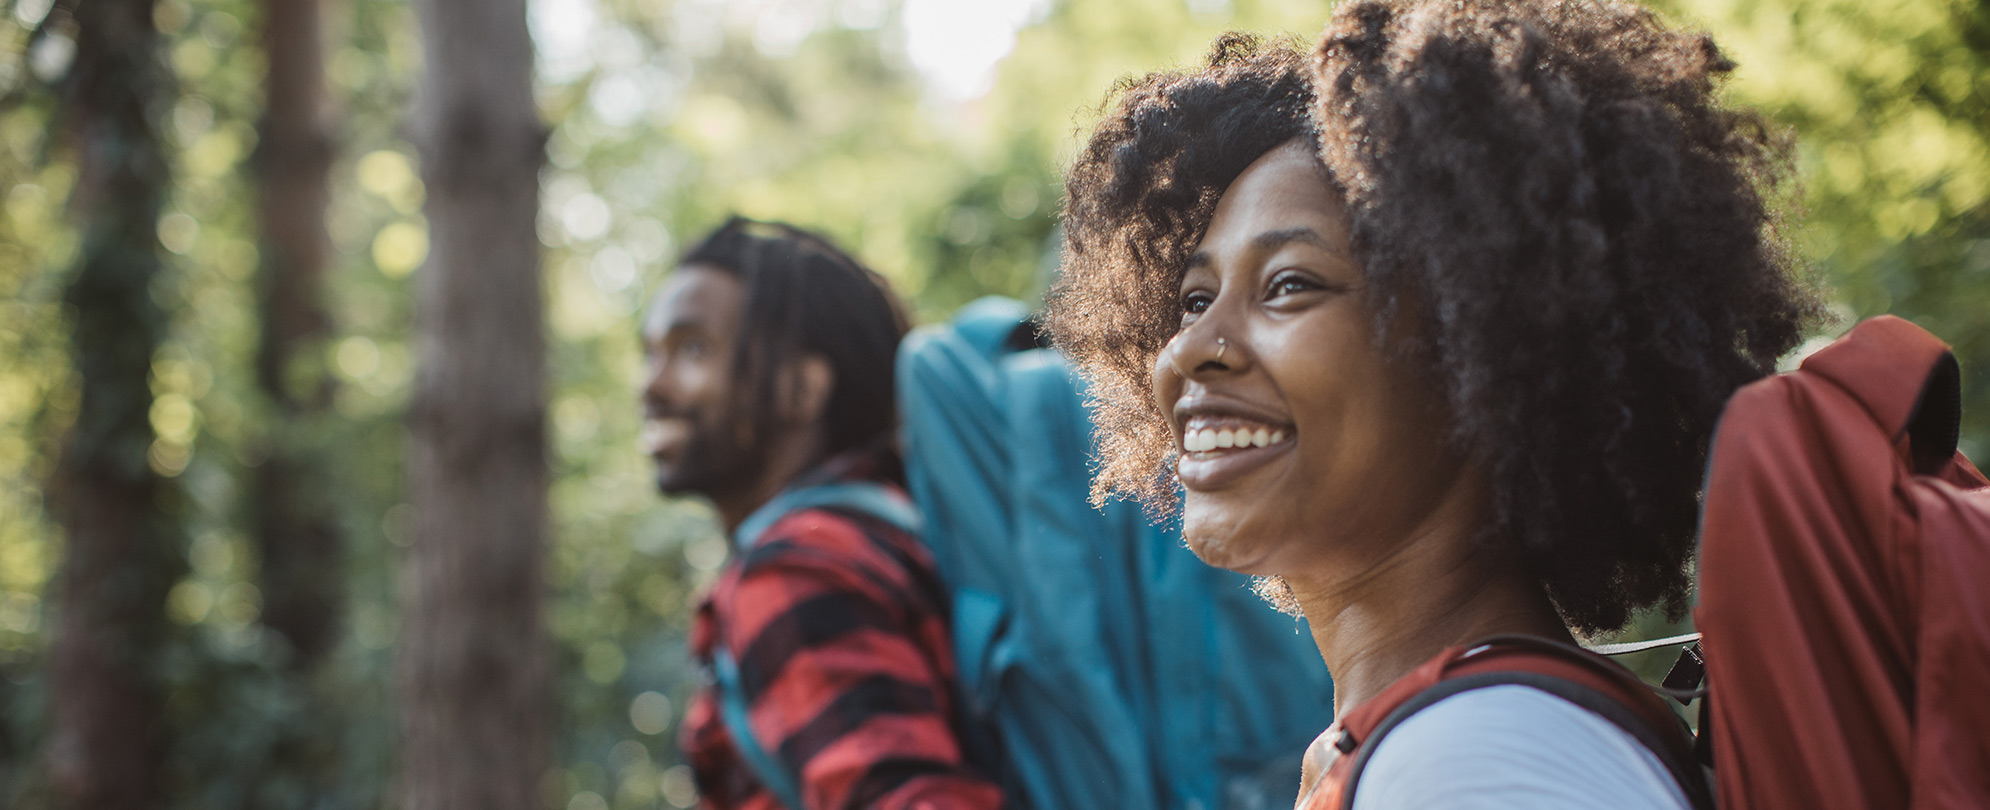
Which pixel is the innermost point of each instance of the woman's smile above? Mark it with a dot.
(1222, 442)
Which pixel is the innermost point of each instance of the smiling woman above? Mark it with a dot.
(1601, 271)
(1432, 333)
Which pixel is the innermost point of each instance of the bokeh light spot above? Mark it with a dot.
(1019, 198)
(706, 553)
(174, 419)
(189, 602)
(168, 459)
(586, 217)
(629, 754)
(383, 172)
(178, 232)
(649, 713)
(400, 248)
(357, 358)
(677, 787)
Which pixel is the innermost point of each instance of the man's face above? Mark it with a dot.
(690, 336)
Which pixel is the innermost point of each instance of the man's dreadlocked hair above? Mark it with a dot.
(1586, 236)
(804, 296)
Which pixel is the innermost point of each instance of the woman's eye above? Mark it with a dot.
(1289, 283)
(692, 347)
(1195, 303)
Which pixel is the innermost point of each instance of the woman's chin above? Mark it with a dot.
(1224, 544)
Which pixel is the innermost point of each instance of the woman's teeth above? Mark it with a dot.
(1197, 441)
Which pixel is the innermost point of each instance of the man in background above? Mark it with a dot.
(769, 391)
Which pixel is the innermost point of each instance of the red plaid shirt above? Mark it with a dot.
(839, 626)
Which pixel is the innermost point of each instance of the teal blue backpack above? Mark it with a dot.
(1102, 665)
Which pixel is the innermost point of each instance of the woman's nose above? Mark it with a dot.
(1203, 347)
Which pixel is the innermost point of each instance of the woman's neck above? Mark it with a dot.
(1434, 587)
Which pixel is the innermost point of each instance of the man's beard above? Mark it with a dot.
(715, 463)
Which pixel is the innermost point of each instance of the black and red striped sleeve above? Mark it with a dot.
(844, 657)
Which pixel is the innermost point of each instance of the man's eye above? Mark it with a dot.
(693, 347)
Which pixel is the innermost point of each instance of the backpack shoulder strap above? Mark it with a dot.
(1565, 671)
(733, 711)
(863, 497)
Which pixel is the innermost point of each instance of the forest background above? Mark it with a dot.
(275, 686)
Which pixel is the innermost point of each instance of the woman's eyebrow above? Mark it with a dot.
(1273, 240)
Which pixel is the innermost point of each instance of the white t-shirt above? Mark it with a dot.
(1513, 746)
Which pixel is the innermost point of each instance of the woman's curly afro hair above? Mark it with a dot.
(1587, 238)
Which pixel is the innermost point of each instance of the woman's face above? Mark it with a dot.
(1303, 443)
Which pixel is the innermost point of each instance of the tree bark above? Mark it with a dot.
(122, 551)
(295, 528)
(473, 657)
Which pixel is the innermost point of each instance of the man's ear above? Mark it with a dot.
(810, 380)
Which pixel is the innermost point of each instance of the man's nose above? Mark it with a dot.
(655, 385)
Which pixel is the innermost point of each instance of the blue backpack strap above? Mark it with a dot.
(859, 496)
(732, 708)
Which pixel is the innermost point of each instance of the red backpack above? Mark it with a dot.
(1845, 585)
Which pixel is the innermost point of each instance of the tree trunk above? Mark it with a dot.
(295, 528)
(474, 685)
(122, 553)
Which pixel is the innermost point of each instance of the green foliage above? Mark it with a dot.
(667, 115)
(1890, 102)
(38, 401)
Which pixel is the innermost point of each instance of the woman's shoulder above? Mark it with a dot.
(1513, 746)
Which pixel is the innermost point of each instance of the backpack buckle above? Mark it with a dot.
(1683, 682)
